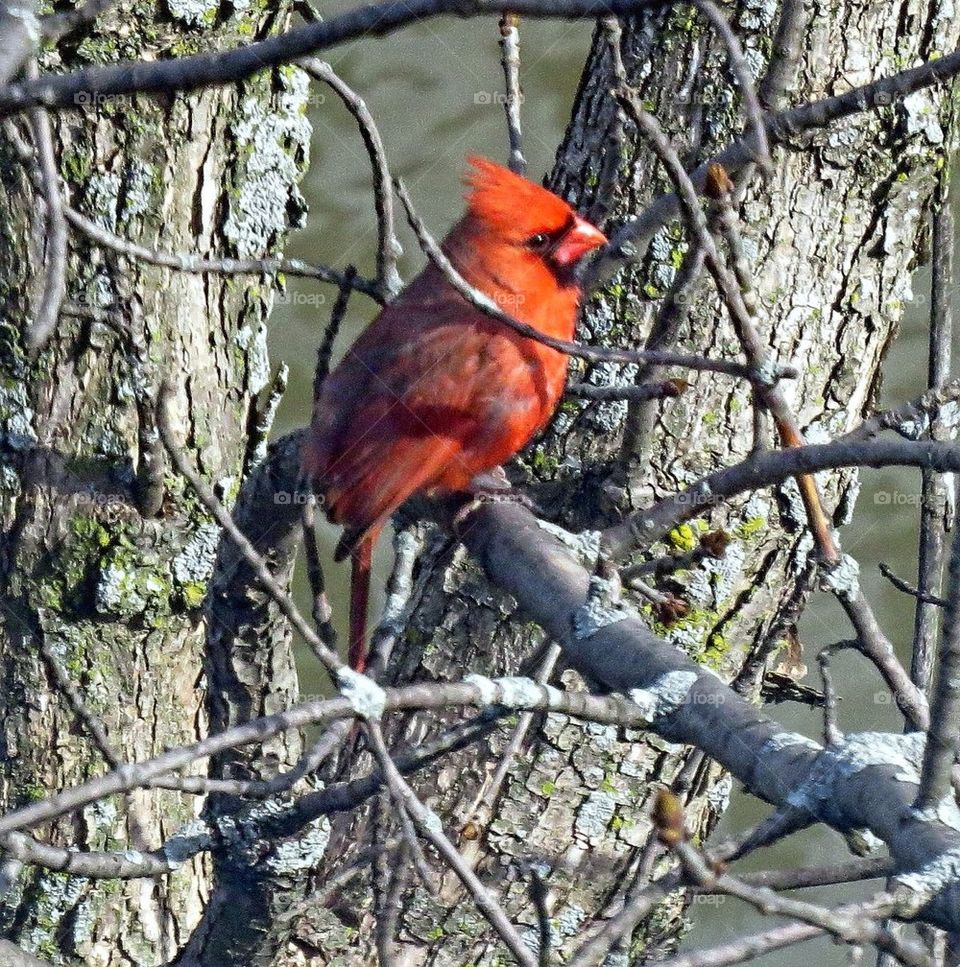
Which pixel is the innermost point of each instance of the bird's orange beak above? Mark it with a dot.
(581, 238)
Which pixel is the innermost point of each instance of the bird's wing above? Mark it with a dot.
(419, 390)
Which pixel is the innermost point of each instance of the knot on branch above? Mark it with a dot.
(842, 578)
(365, 696)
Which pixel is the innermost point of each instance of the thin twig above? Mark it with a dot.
(321, 611)
(741, 70)
(407, 544)
(850, 871)
(258, 565)
(400, 794)
(921, 596)
(611, 150)
(756, 945)
(719, 188)
(388, 246)
(933, 487)
(851, 929)
(264, 416)
(539, 894)
(782, 822)
(831, 733)
(667, 389)
(943, 735)
(55, 263)
(785, 60)
(195, 264)
(429, 826)
(482, 808)
(388, 915)
(510, 62)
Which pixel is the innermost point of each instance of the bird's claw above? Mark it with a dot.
(491, 488)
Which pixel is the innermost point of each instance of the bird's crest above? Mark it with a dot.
(510, 204)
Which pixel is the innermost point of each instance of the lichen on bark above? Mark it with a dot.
(115, 595)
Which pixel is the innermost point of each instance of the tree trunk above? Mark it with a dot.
(832, 241)
(105, 557)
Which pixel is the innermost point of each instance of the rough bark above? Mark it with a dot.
(833, 239)
(112, 583)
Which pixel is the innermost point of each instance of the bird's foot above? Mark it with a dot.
(491, 487)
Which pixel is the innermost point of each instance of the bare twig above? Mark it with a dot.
(321, 649)
(934, 500)
(856, 929)
(337, 315)
(756, 945)
(629, 243)
(911, 419)
(204, 70)
(922, 596)
(400, 794)
(941, 747)
(321, 611)
(719, 188)
(639, 424)
(831, 733)
(610, 710)
(611, 150)
(265, 414)
(195, 264)
(429, 826)
(667, 389)
(510, 61)
(407, 545)
(850, 871)
(55, 264)
(782, 822)
(639, 900)
(539, 895)
(388, 247)
(392, 905)
(785, 59)
(741, 70)
(482, 808)
(754, 347)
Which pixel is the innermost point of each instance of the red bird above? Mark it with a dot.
(435, 392)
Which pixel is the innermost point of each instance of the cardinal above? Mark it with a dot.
(434, 392)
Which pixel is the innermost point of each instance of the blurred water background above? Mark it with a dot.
(434, 91)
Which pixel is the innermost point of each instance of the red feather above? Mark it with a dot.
(434, 392)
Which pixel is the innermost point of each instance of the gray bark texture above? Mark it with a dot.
(832, 240)
(105, 560)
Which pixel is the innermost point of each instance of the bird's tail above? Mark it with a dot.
(360, 558)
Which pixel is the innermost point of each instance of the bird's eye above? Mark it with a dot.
(539, 240)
